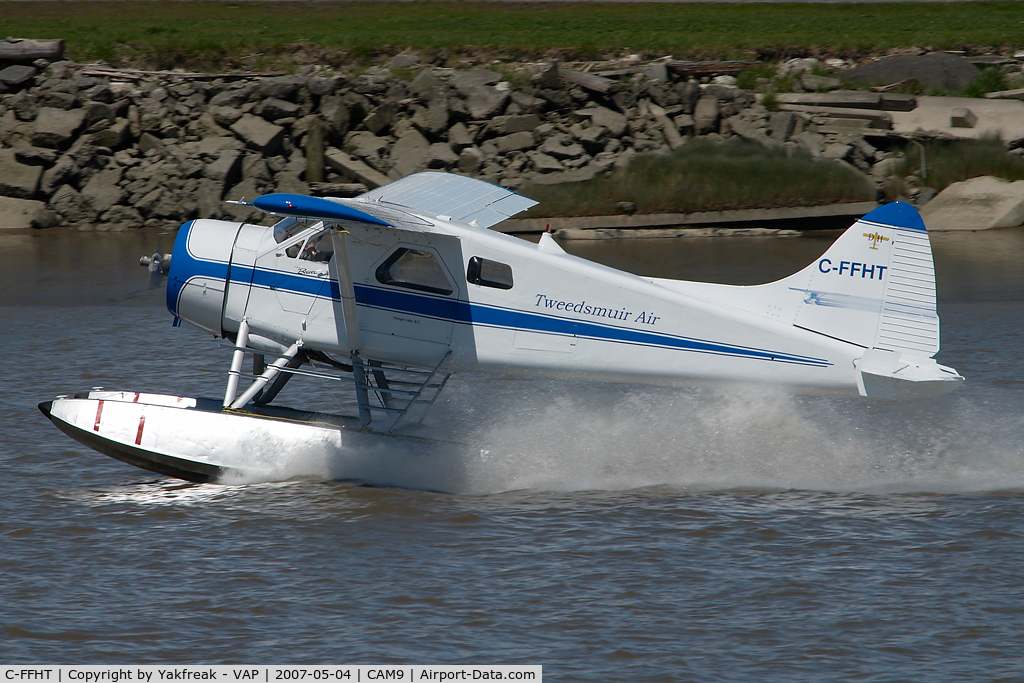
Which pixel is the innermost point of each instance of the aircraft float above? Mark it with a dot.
(391, 292)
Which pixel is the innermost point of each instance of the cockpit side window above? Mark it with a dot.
(414, 269)
(319, 248)
(489, 273)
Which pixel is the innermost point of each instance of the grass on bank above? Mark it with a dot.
(224, 35)
(706, 176)
(952, 161)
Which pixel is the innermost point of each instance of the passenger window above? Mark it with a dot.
(319, 248)
(488, 273)
(414, 269)
(293, 250)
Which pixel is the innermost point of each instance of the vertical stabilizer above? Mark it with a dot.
(875, 287)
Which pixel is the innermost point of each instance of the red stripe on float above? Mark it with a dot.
(99, 411)
(136, 399)
(142, 423)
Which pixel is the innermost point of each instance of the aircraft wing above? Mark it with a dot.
(465, 199)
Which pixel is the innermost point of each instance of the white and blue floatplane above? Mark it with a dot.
(392, 291)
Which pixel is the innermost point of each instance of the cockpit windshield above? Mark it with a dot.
(288, 226)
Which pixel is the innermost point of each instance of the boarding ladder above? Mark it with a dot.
(391, 395)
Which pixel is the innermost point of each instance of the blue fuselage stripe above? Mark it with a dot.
(466, 313)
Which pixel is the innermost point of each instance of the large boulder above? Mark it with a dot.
(336, 114)
(515, 142)
(593, 138)
(977, 204)
(781, 124)
(102, 191)
(148, 203)
(16, 74)
(23, 106)
(259, 134)
(935, 71)
(381, 117)
(63, 172)
(56, 127)
(20, 213)
(819, 83)
(366, 144)
(290, 183)
(207, 196)
(57, 99)
(225, 116)
(514, 123)
(226, 168)
(484, 101)
(459, 137)
(17, 179)
(411, 153)
(235, 97)
(114, 136)
(440, 155)
(319, 86)
(424, 84)
(545, 163)
(98, 111)
(432, 119)
(273, 108)
(749, 130)
(255, 166)
(812, 143)
(71, 205)
(101, 92)
(213, 146)
(705, 115)
(281, 87)
(550, 78)
(471, 160)
(606, 118)
(466, 81)
(561, 147)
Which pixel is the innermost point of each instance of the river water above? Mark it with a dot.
(606, 532)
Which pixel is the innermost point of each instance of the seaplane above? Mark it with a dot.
(389, 293)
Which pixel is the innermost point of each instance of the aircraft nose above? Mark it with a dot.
(199, 268)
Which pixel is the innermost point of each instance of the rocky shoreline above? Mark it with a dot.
(108, 149)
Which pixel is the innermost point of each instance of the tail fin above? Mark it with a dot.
(875, 287)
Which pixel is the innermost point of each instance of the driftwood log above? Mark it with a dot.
(24, 49)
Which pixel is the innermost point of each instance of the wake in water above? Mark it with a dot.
(503, 435)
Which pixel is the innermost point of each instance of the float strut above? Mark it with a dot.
(236, 362)
(277, 385)
(362, 395)
(269, 374)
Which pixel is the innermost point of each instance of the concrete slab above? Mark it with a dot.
(976, 204)
(934, 116)
(18, 213)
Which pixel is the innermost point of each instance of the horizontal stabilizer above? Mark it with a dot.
(312, 207)
(444, 194)
(891, 375)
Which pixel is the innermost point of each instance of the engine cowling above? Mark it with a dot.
(197, 278)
